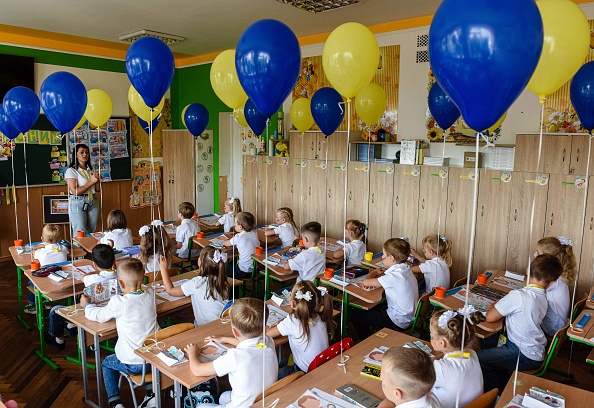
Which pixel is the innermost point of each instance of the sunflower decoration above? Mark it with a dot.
(434, 134)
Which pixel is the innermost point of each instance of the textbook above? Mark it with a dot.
(275, 315)
(376, 356)
(211, 351)
(172, 356)
(421, 346)
(103, 291)
(372, 371)
(318, 398)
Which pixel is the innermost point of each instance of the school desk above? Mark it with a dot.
(590, 301)
(273, 241)
(574, 397)
(207, 223)
(585, 335)
(272, 271)
(89, 242)
(377, 259)
(492, 279)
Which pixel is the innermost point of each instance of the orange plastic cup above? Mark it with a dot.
(200, 234)
(440, 292)
(481, 279)
(259, 250)
(80, 234)
(301, 242)
(329, 273)
(35, 265)
(18, 242)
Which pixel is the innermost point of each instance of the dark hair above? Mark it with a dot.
(357, 227)
(546, 268)
(103, 256)
(320, 304)
(186, 209)
(215, 274)
(116, 219)
(313, 231)
(164, 245)
(246, 220)
(74, 160)
(453, 330)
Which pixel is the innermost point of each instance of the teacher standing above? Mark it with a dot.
(83, 207)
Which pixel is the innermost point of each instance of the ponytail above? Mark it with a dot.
(451, 328)
(562, 251)
(441, 246)
(358, 228)
(215, 273)
(310, 303)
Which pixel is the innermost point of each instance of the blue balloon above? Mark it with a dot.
(268, 61)
(254, 118)
(145, 126)
(64, 100)
(21, 105)
(150, 67)
(6, 126)
(581, 92)
(196, 118)
(326, 109)
(483, 53)
(443, 110)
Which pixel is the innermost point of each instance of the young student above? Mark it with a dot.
(355, 249)
(156, 235)
(286, 228)
(246, 240)
(118, 235)
(311, 261)
(558, 294)
(401, 290)
(232, 208)
(523, 310)
(210, 290)
(407, 378)
(136, 319)
(307, 326)
(252, 354)
(435, 265)
(456, 370)
(186, 230)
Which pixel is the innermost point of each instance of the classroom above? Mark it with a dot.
(194, 192)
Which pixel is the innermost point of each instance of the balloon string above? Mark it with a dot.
(368, 179)
(100, 182)
(16, 218)
(266, 272)
(346, 186)
(27, 192)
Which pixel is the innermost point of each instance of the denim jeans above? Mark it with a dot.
(498, 362)
(56, 322)
(83, 220)
(111, 375)
(284, 369)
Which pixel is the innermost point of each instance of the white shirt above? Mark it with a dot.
(309, 263)
(183, 233)
(121, 237)
(558, 310)
(245, 365)
(287, 233)
(428, 401)
(205, 310)
(402, 294)
(152, 264)
(136, 319)
(99, 277)
(453, 371)
(82, 177)
(227, 221)
(304, 351)
(436, 273)
(354, 252)
(524, 310)
(51, 254)
(246, 243)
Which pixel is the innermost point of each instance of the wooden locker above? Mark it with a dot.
(335, 192)
(586, 264)
(298, 190)
(303, 145)
(179, 178)
(264, 165)
(579, 156)
(433, 196)
(357, 186)
(337, 145)
(283, 179)
(555, 155)
(381, 189)
(405, 207)
(248, 181)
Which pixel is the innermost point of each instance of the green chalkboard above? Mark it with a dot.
(39, 157)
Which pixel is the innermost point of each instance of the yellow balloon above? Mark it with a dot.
(565, 46)
(240, 116)
(183, 116)
(99, 107)
(370, 103)
(350, 58)
(81, 122)
(300, 114)
(140, 108)
(225, 82)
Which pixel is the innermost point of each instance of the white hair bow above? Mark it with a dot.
(219, 256)
(323, 290)
(300, 295)
(565, 240)
(144, 230)
(232, 200)
(443, 320)
(466, 311)
(157, 223)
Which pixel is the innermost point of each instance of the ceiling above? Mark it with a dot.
(208, 25)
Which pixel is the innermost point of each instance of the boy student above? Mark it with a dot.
(311, 261)
(246, 240)
(252, 354)
(523, 310)
(407, 378)
(136, 319)
(186, 230)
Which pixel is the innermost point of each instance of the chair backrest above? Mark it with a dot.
(331, 352)
(421, 309)
(460, 282)
(280, 384)
(484, 401)
(150, 277)
(169, 331)
(578, 307)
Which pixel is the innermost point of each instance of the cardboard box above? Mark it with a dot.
(469, 158)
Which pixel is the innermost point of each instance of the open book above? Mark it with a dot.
(211, 351)
(172, 356)
(321, 399)
(103, 291)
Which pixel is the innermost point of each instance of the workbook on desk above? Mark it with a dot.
(480, 303)
(218, 242)
(276, 260)
(318, 398)
(211, 351)
(101, 292)
(27, 249)
(275, 315)
(163, 294)
(329, 246)
(210, 220)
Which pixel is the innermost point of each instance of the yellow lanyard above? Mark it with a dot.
(466, 354)
(88, 178)
(533, 285)
(319, 250)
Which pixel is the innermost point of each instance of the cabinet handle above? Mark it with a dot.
(350, 195)
(329, 193)
(482, 210)
(396, 201)
(563, 154)
(310, 190)
(291, 188)
(451, 206)
(372, 198)
(516, 214)
(591, 222)
(423, 204)
(577, 157)
(319, 146)
(258, 183)
(312, 146)
(274, 187)
(552, 214)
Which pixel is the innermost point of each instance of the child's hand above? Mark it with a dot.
(216, 339)
(163, 264)
(373, 273)
(84, 300)
(192, 349)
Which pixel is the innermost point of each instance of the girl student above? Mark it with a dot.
(154, 243)
(118, 235)
(286, 228)
(456, 369)
(232, 208)
(355, 248)
(558, 295)
(435, 265)
(307, 326)
(209, 291)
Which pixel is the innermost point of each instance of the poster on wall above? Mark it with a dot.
(141, 147)
(204, 172)
(146, 190)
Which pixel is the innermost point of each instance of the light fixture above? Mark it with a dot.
(166, 38)
(317, 6)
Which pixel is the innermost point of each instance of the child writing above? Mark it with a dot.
(435, 266)
(186, 230)
(136, 319)
(310, 262)
(252, 354)
(523, 310)
(246, 240)
(401, 291)
(210, 290)
(307, 326)
(558, 297)
(154, 243)
(355, 248)
(232, 208)
(118, 235)
(286, 228)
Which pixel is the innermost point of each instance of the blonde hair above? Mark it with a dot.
(186, 209)
(409, 369)
(215, 274)
(116, 219)
(307, 310)
(131, 271)
(246, 316)
(398, 248)
(235, 204)
(357, 227)
(287, 213)
(453, 330)
(441, 246)
(51, 233)
(552, 246)
(164, 245)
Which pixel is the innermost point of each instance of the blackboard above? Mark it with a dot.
(39, 158)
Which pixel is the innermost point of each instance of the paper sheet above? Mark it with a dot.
(275, 315)
(170, 298)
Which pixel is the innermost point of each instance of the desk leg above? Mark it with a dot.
(157, 386)
(267, 282)
(177, 394)
(41, 351)
(83, 357)
(20, 293)
(98, 370)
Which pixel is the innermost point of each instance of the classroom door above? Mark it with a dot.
(405, 207)
(381, 190)
(179, 171)
(433, 197)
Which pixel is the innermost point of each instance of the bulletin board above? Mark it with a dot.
(55, 209)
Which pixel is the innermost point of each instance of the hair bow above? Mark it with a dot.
(232, 200)
(565, 240)
(300, 295)
(219, 256)
(323, 290)
(443, 320)
(144, 230)
(466, 311)
(405, 239)
(442, 238)
(157, 223)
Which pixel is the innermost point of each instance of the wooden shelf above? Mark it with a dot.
(374, 143)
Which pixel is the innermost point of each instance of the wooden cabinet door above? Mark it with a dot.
(336, 144)
(249, 180)
(433, 197)
(298, 190)
(335, 191)
(579, 156)
(381, 197)
(263, 190)
(179, 173)
(309, 200)
(525, 191)
(405, 207)
(586, 263)
(358, 187)
(281, 186)
(555, 156)
(526, 154)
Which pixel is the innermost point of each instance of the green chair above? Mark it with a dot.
(421, 311)
(552, 351)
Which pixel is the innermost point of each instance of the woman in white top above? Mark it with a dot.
(83, 182)
(118, 234)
